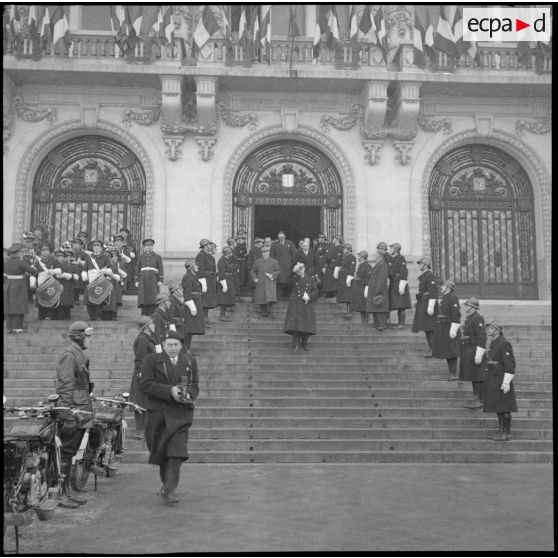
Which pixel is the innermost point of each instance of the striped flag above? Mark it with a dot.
(443, 37)
(265, 32)
(430, 21)
(418, 42)
(45, 31)
(469, 47)
(333, 36)
(294, 31)
(381, 33)
(135, 17)
(119, 25)
(60, 28)
(207, 27)
(243, 26)
(167, 35)
(353, 27)
(35, 16)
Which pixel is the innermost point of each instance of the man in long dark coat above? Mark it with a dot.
(225, 287)
(333, 267)
(170, 383)
(194, 321)
(254, 254)
(376, 293)
(427, 303)
(447, 338)
(283, 250)
(149, 277)
(358, 286)
(399, 295)
(499, 392)
(473, 348)
(300, 320)
(265, 272)
(66, 279)
(306, 256)
(207, 271)
(346, 277)
(322, 255)
(241, 253)
(16, 304)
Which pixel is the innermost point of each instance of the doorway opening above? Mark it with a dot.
(296, 221)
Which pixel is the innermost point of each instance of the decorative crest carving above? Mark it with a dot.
(478, 182)
(432, 125)
(536, 127)
(302, 182)
(142, 118)
(344, 123)
(32, 115)
(236, 120)
(206, 147)
(92, 174)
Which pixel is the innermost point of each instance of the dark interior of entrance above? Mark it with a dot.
(296, 221)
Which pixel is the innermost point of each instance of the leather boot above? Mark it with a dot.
(296, 342)
(500, 436)
(68, 498)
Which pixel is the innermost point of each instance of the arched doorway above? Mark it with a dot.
(288, 185)
(482, 223)
(89, 183)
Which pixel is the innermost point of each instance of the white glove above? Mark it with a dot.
(75, 276)
(125, 258)
(454, 328)
(122, 274)
(349, 279)
(336, 271)
(116, 277)
(192, 307)
(323, 270)
(158, 349)
(505, 387)
(402, 285)
(85, 277)
(305, 297)
(431, 304)
(132, 255)
(55, 271)
(32, 282)
(67, 276)
(269, 276)
(203, 282)
(366, 291)
(256, 280)
(172, 327)
(159, 283)
(224, 285)
(479, 354)
(136, 284)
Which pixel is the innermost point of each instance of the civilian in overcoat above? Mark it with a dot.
(16, 303)
(283, 250)
(362, 277)
(193, 307)
(499, 392)
(265, 273)
(241, 255)
(473, 349)
(170, 383)
(399, 295)
(225, 287)
(149, 277)
(322, 256)
(427, 303)
(177, 312)
(346, 276)
(333, 267)
(447, 337)
(300, 320)
(254, 254)
(306, 256)
(207, 270)
(377, 293)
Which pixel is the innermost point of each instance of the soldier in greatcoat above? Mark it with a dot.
(16, 273)
(447, 337)
(66, 278)
(265, 274)
(169, 381)
(177, 312)
(359, 284)
(241, 254)
(129, 248)
(473, 348)
(399, 295)
(207, 270)
(144, 344)
(28, 255)
(300, 320)
(322, 256)
(110, 310)
(231, 243)
(283, 251)
(126, 258)
(376, 292)
(427, 303)
(97, 264)
(333, 267)
(162, 320)
(499, 392)
(149, 277)
(46, 267)
(346, 277)
(78, 265)
(225, 286)
(254, 254)
(193, 308)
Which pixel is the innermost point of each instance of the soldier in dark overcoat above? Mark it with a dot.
(265, 272)
(283, 250)
(149, 277)
(144, 344)
(376, 292)
(399, 295)
(300, 320)
(306, 256)
(499, 392)
(110, 310)
(359, 284)
(177, 312)
(129, 248)
(255, 253)
(126, 259)
(346, 277)
(194, 321)
(16, 304)
(169, 381)
(321, 248)
(241, 255)
(231, 243)
(78, 265)
(66, 279)
(97, 263)
(473, 348)
(207, 270)
(225, 286)
(162, 320)
(334, 263)
(28, 255)
(447, 337)
(427, 303)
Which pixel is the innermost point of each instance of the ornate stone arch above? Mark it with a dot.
(518, 149)
(40, 147)
(303, 133)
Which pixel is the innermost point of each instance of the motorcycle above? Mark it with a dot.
(103, 444)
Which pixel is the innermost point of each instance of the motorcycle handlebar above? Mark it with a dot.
(45, 409)
(119, 402)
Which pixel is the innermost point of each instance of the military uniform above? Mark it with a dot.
(284, 253)
(16, 303)
(322, 257)
(177, 317)
(428, 290)
(191, 291)
(308, 259)
(444, 346)
(207, 270)
(348, 268)
(361, 280)
(66, 278)
(300, 320)
(398, 272)
(162, 320)
(377, 301)
(144, 345)
(335, 260)
(225, 299)
(149, 272)
(46, 267)
(94, 265)
(241, 255)
(473, 336)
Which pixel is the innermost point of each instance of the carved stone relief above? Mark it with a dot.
(535, 127)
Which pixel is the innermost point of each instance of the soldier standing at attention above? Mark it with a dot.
(66, 279)
(447, 343)
(322, 256)
(149, 277)
(241, 255)
(346, 276)
(283, 251)
(427, 303)
(206, 275)
(362, 277)
(399, 296)
(225, 288)
(499, 393)
(231, 243)
(376, 292)
(473, 347)
(334, 266)
(193, 309)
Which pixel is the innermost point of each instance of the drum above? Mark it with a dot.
(99, 290)
(49, 293)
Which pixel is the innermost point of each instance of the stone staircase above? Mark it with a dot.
(358, 395)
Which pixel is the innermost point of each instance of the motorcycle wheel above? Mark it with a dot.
(79, 473)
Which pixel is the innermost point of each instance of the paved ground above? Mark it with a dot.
(315, 507)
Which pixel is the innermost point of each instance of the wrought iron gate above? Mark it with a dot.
(482, 224)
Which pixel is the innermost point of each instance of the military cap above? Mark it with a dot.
(161, 297)
(97, 241)
(258, 240)
(147, 241)
(118, 237)
(144, 321)
(472, 302)
(77, 241)
(381, 245)
(449, 283)
(426, 261)
(46, 245)
(348, 246)
(227, 250)
(230, 240)
(363, 254)
(170, 334)
(59, 251)
(495, 325)
(188, 264)
(114, 252)
(204, 242)
(28, 236)
(322, 235)
(396, 245)
(14, 248)
(83, 233)
(124, 229)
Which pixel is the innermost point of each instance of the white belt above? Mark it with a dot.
(149, 269)
(14, 276)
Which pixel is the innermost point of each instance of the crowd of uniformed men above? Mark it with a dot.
(367, 284)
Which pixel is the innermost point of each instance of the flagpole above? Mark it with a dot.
(291, 33)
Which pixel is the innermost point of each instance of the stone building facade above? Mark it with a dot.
(454, 164)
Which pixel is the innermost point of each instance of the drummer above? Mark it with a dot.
(47, 267)
(97, 266)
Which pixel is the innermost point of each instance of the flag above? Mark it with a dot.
(15, 21)
(242, 25)
(294, 31)
(265, 32)
(167, 35)
(333, 37)
(353, 27)
(469, 47)
(418, 42)
(207, 27)
(60, 28)
(45, 31)
(428, 43)
(119, 25)
(443, 37)
(35, 16)
(381, 33)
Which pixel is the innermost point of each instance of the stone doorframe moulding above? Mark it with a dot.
(53, 136)
(516, 148)
(303, 133)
